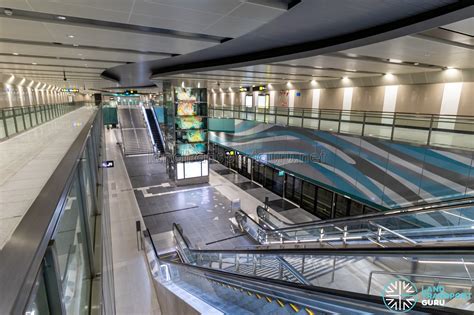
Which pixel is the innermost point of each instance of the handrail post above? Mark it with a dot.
(363, 123)
(319, 118)
(431, 129)
(29, 114)
(23, 118)
(265, 114)
(302, 118)
(288, 115)
(393, 126)
(370, 282)
(339, 124)
(5, 123)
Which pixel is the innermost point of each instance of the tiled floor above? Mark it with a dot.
(28, 160)
(203, 211)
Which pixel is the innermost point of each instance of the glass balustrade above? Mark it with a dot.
(423, 129)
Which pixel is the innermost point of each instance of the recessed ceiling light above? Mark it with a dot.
(416, 63)
(313, 82)
(352, 70)
(15, 54)
(345, 78)
(60, 17)
(449, 67)
(34, 63)
(395, 60)
(75, 45)
(70, 36)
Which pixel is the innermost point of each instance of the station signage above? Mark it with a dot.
(70, 90)
(259, 88)
(107, 164)
(130, 92)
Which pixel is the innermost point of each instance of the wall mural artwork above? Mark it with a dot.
(386, 173)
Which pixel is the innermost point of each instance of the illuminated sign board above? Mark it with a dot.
(130, 92)
(259, 88)
(107, 164)
(70, 90)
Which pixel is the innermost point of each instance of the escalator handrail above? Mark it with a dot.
(375, 251)
(308, 289)
(158, 127)
(468, 201)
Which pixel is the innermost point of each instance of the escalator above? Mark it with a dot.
(336, 281)
(443, 224)
(155, 130)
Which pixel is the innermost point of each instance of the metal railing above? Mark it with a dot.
(424, 129)
(445, 224)
(14, 120)
(341, 269)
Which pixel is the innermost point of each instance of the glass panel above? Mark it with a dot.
(351, 128)
(39, 300)
(88, 192)
(329, 125)
(307, 200)
(411, 135)
(324, 205)
(297, 190)
(356, 208)
(19, 119)
(289, 186)
(268, 177)
(378, 131)
(311, 123)
(71, 248)
(281, 120)
(277, 183)
(293, 121)
(342, 206)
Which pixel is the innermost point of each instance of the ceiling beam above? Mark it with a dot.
(87, 47)
(109, 25)
(62, 58)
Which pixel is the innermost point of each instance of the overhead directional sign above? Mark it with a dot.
(259, 88)
(70, 90)
(107, 164)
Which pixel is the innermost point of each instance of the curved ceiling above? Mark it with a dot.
(310, 28)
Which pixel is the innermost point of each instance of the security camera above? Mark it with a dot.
(8, 12)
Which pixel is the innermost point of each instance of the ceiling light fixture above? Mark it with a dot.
(34, 63)
(75, 45)
(345, 78)
(416, 63)
(352, 70)
(230, 89)
(70, 36)
(288, 83)
(60, 17)
(15, 54)
(270, 85)
(388, 75)
(395, 60)
(449, 67)
(313, 82)
(199, 85)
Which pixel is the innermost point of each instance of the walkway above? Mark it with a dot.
(28, 160)
(134, 291)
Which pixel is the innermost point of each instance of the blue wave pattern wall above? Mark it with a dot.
(377, 171)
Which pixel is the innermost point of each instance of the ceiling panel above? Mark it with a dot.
(413, 49)
(80, 63)
(213, 6)
(295, 71)
(233, 26)
(256, 12)
(118, 39)
(74, 52)
(353, 64)
(25, 30)
(465, 26)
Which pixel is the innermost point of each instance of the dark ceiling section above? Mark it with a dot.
(310, 28)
